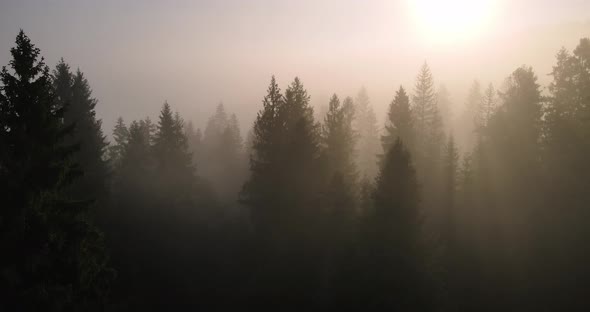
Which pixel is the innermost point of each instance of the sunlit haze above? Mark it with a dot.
(295, 155)
(454, 21)
(195, 54)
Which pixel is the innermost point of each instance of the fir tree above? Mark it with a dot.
(53, 256)
(120, 138)
(472, 117)
(62, 83)
(488, 105)
(194, 140)
(173, 162)
(258, 192)
(443, 101)
(223, 162)
(396, 273)
(340, 199)
(449, 227)
(399, 123)
(339, 141)
(87, 135)
(427, 122)
(368, 135)
(514, 168)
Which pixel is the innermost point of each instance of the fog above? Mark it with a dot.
(409, 155)
(195, 54)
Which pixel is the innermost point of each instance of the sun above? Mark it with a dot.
(451, 21)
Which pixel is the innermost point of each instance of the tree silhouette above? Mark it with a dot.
(396, 269)
(400, 123)
(54, 257)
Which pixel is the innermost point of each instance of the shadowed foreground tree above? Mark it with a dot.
(394, 266)
(340, 198)
(282, 196)
(74, 95)
(53, 257)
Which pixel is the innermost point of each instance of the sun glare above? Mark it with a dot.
(452, 20)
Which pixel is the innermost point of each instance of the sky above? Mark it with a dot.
(137, 54)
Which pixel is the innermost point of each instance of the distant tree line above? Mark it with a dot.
(306, 212)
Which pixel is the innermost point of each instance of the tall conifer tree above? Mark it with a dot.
(53, 255)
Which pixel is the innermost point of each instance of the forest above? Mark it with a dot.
(308, 210)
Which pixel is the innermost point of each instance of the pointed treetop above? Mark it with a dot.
(24, 56)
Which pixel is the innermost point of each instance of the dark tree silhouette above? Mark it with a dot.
(396, 266)
(54, 257)
(399, 123)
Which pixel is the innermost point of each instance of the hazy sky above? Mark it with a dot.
(136, 54)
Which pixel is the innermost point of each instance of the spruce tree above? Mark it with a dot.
(232, 160)
(88, 136)
(449, 227)
(396, 268)
(450, 171)
(301, 149)
(173, 162)
(340, 195)
(443, 101)
(368, 146)
(427, 122)
(282, 194)
(472, 117)
(514, 169)
(399, 123)
(260, 192)
(53, 256)
(565, 152)
(339, 141)
(62, 83)
(488, 106)
(194, 140)
(149, 129)
(223, 162)
(120, 138)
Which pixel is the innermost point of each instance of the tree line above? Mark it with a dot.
(308, 211)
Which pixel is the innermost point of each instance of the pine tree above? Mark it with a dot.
(149, 128)
(173, 162)
(339, 141)
(396, 273)
(427, 122)
(137, 150)
(472, 117)
(368, 146)
(449, 227)
(62, 83)
(488, 105)
(514, 169)
(258, 192)
(120, 138)
(302, 140)
(450, 169)
(232, 160)
(88, 136)
(400, 123)
(194, 140)
(340, 195)
(223, 162)
(53, 257)
(565, 152)
(282, 194)
(443, 101)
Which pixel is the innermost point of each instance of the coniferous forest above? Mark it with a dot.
(305, 211)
